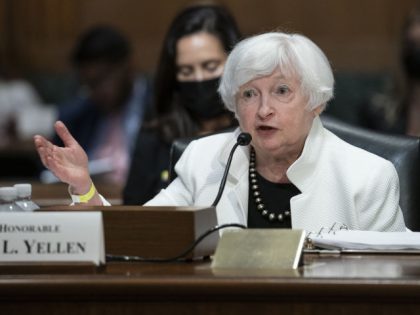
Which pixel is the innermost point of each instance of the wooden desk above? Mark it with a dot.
(349, 284)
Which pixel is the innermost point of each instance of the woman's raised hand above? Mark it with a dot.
(68, 163)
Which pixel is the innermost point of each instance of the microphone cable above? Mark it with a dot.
(126, 258)
(244, 138)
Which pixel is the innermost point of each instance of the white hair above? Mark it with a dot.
(293, 54)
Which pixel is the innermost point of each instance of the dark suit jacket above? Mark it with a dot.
(84, 119)
(149, 169)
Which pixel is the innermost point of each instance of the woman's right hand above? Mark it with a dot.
(68, 163)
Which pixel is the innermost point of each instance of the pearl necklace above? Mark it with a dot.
(271, 216)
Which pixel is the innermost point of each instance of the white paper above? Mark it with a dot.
(367, 240)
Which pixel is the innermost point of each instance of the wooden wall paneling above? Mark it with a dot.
(44, 31)
(144, 23)
(357, 35)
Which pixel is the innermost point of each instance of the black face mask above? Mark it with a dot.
(201, 99)
(411, 60)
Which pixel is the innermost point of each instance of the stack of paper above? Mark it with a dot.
(367, 240)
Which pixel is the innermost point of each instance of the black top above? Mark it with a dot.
(276, 198)
(374, 118)
(149, 169)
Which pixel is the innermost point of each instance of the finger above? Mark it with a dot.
(42, 145)
(43, 156)
(64, 134)
(49, 155)
(39, 141)
(47, 151)
(41, 148)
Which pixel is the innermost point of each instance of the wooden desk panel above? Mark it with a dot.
(324, 285)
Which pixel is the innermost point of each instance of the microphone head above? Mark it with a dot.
(244, 138)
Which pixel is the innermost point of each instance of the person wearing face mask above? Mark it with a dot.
(200, 98)
(398, 109)
(186, 100)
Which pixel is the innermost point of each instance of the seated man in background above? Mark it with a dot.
(106, 116)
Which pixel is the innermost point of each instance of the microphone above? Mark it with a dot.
(244, 138)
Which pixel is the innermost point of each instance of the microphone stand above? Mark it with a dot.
(244, 138)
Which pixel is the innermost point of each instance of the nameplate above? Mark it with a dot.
(52, 237)
(269, 249)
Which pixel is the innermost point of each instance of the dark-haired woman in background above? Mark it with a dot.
(185, 96)
(397, 110)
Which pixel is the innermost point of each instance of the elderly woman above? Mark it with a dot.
(295, 173)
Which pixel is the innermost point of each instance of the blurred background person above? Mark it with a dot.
(186, 100)
(397, 110)
(22, 111)
(106, 115)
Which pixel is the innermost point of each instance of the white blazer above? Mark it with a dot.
(339, 183)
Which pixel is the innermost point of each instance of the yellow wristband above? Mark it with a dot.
(86, 197)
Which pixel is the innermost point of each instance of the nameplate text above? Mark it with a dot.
(52, 237)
